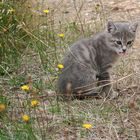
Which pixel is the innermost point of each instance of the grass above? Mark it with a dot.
(31, 49)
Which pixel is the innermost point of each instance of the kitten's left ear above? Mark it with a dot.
(133, 27)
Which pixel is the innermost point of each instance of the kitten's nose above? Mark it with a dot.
(124, 50)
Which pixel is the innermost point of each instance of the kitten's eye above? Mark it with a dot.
(129, 42)
(119, 42)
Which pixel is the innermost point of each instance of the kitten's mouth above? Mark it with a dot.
(122, 53)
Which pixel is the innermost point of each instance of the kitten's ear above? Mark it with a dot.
(133, 27)
(111, 27)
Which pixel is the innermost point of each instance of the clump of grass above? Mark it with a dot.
(13, 39)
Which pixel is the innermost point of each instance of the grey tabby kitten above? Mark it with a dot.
(87, 63)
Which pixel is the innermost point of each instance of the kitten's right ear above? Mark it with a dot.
(133, 27)
(111, 27)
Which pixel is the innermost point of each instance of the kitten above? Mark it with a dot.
(87, 63)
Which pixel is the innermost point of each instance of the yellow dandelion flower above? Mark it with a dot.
(61, 35)
(2, 107)
(11, 10)
(34, 103)
(25, 88)
(25, 118)
(60, 66)
(46, 11)
(87, 126)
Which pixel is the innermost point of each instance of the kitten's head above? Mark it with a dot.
(122, 35)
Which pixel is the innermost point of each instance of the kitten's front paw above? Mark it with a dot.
(114, 95)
